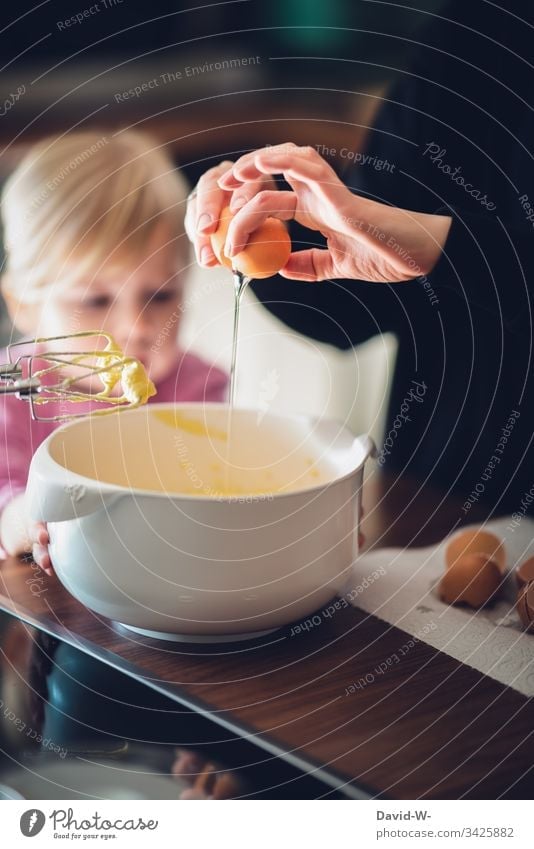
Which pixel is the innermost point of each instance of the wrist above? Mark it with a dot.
(437, 228)
(413, 240)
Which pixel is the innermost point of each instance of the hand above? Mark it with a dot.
(21, 535)
(206, 203)
(207, 780)
(38, 534)
(366, 240)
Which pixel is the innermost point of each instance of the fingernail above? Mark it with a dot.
(204, 221)
(237, 203)
(229, 249)
(206, 254)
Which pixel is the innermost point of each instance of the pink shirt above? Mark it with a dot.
(191, 379)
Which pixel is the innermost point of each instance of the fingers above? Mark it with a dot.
(210, 199)
(203, 212)
(292, 167)
(192, 794)
(245, 192)
(40, 538)
(42, 558)
(295, 163)
(187, 763)
(312, 175)
(266, 204)
(205, 206)
(310, 265)
(41, 533)
(245, 167)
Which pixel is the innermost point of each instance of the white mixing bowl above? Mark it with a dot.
(140, 533)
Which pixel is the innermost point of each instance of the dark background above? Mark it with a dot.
(319, 59)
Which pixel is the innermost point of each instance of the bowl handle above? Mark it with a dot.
(54, 494)
(367, 445)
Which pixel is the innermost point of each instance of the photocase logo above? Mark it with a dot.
(32, 822)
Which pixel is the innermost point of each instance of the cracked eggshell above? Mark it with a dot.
(525, 606)
(472, 579)
(266, 252)
(475, 541)
(525, 572)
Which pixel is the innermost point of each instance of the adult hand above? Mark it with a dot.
(206, 203)
(366, 240)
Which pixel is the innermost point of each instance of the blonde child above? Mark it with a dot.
(94, 240)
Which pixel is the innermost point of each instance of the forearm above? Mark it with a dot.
(410, 242)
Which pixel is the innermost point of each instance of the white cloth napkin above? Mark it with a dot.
(400, 587)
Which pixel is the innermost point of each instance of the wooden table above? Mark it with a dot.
(429, 728)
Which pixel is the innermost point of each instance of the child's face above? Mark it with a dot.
(140, 306)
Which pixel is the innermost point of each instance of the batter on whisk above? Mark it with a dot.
(45, 374)
(94, 238)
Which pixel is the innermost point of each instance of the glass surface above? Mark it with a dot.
(73, 727)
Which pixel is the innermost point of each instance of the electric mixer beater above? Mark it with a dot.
(24, 376)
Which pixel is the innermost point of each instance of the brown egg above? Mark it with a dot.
(475, 541)
(525, 572)
(473, 579)
(525, 606)
(267, 250)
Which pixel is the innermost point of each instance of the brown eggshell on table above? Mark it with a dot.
(525, 572)
(475, 541)
(266, 252)
(472, 579)
(525, 606)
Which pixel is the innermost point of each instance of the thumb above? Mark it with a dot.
(312, 265)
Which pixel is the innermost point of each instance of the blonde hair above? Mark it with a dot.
(77, 200)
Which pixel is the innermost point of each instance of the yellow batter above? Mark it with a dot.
(193, 426)
(111, 368)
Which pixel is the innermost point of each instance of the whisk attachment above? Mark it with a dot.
(25, 376)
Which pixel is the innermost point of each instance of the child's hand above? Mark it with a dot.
(206, 780)
(22, 535)
(38, 534)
